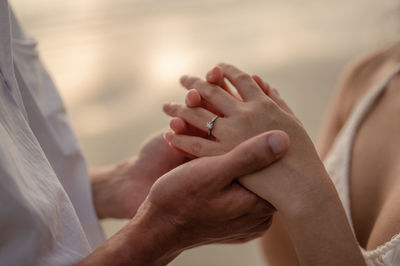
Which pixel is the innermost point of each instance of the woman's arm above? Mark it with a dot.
(276, 243)
(312, 212)
(359, 77)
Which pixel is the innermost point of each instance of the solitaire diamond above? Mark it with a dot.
(210, 124)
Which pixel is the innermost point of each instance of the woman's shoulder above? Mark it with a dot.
(360, 75)
(364, 73)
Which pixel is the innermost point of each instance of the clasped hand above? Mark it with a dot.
(256, 108)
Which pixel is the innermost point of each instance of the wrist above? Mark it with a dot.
(313, 198)
(156, 239)
(145, 241)
(305, 181)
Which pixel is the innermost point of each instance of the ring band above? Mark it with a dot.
(210, 124)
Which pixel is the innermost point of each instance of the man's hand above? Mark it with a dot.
(196, 203)
(119, 190)
(203, 200)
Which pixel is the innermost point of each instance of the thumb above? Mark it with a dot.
(251, 156)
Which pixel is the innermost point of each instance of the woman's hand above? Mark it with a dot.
(256, 109)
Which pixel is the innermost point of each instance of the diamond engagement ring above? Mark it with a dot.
(210, 124)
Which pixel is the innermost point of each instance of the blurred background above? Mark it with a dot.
(117, 61)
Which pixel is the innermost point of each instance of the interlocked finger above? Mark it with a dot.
(244, 83)
(196, 146)
(213, 94)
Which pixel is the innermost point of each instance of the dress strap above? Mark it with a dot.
(338, 160)
(366, 103)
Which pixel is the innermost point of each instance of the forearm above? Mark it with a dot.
(320, 231)
(145, 240)
(307, 200)
(277, 244)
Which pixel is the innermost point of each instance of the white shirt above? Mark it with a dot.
(47, 215)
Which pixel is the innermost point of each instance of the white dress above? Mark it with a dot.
(47, 215)
(337, 163)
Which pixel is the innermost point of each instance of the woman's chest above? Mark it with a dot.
(375, 173)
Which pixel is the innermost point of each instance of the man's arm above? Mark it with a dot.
(145, 240)
(194, 204)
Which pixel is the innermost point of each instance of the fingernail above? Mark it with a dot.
(168, 136)
(277, 143)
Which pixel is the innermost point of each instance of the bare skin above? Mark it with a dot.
(374, 182)
(297, 186)
(195, 203)
(118, 190)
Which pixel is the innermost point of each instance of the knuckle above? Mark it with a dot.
(236, 107)
(176, 141)
(197, 112)
(228, 132)
(249, 158)
(250, 198)
(228, 68)
(192, 82)
(245, 114)
(236, 135)
(182, 111)
(173, 109)
(267, 105)
(208, 91)
(242, 77)
(196, 148)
